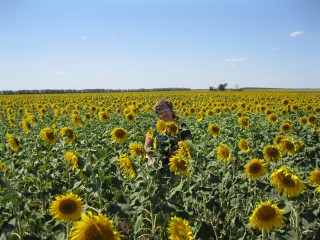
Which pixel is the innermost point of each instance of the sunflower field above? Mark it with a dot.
(73, 166)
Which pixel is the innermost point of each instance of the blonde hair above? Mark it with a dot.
(161, 104)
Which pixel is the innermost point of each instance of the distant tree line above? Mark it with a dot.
(97, 90)
(221, 87)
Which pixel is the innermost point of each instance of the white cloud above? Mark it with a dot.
(296, 34)
(232, 65)
(235, 59)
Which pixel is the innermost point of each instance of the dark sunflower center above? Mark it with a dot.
(267, 213)
(67, 207)
(255, 168)
(50, 135)
(287, 180)
(99, 232)
(120, 134)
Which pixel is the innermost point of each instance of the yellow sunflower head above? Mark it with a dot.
(48, 135)
(184, 149)
(26, 126)
(126, 165)
(179, 229)
(172, 128)
(267, 216)
(272, 118)
(13, 142)
(179, 165)
(130, 117)
(214, 130)
(285, 127)
(286, 182)
(224, 154)
(277, 140)
(76, 119)
(66, 207)
(119, 135)
(256, 168)
(288, 146)
(161, 126)
(312, 120)
(94, 227)
(71, 157)
(137, 150)
(271, 153)
(314, 177)
(104, 117)
(243, 145)
(244, 122)
(68, 133)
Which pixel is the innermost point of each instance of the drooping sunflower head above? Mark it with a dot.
(126, 165)
(161, 126)
(271, 153)
(286, 182)
(244, 122)
(172, 128)
(68, 133)
(224, 153)
(71, 157)
(214, 129)
(184, 149)
(93, 227)
(76, 119)
(13, 142)
(137, 150)
(256, 168)
(243, 145)
(179, 229)
(26, 126)
(314, 177)
(179, 165)
(66, 207)
(48, 135)
(119, 135)
(277, 140)
(267, 216)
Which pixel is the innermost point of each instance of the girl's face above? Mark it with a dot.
(165, 114)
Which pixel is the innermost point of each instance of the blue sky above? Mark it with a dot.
(129, 44)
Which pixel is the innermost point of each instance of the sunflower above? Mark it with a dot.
(256, 168)
(184, 149)
(172, 128)
(119, 135)
(104, 117)
(150, 133)
(136, 150)
(71, 157)
(48, 135)
(288, 146)
(87, 116)
(244, 122)
(75, 118)
(31, 119)
(224, 153)
(130, 117)
(179, 165)
(272, 118)
(26, 126)
(271, 153)
(303, 121)
(68, 133)
(277, 140)
(214, 130)
(66, 207)
(314, 177)
(126, 164)
(243, 145)
(286, 182)
(94, 227)
(161, 126)
(267, 216)
(285, 127)
(312, 120)
(13, 142)
(179, 229)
